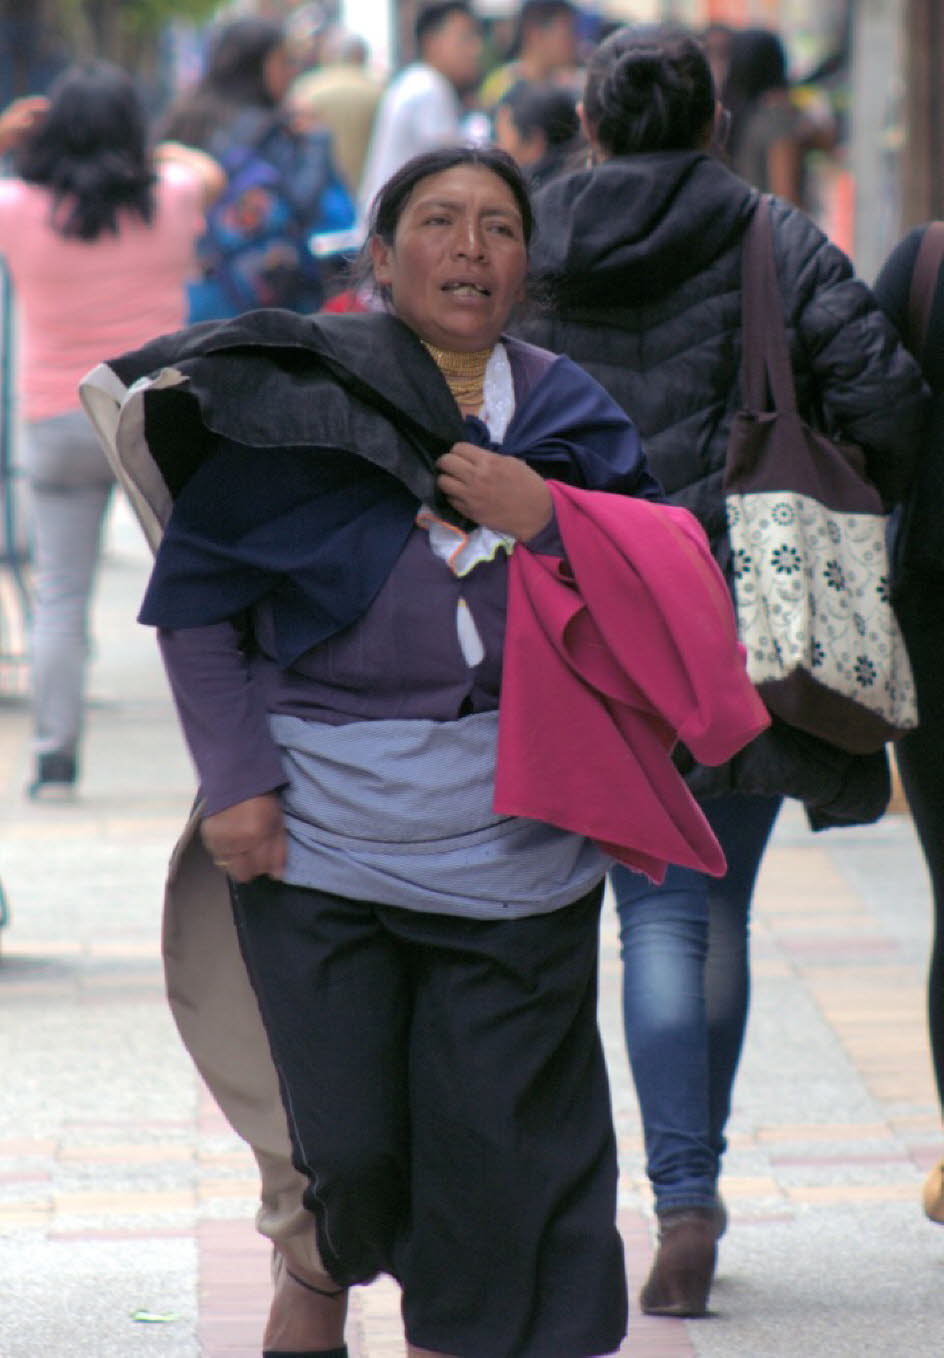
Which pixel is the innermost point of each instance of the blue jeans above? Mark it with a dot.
(685, 997)
(70, 487)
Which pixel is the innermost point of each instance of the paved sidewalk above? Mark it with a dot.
(124, 1195)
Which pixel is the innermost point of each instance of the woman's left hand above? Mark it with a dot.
(501, 493)
(247, 839)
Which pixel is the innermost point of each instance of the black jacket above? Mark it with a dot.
(918, 555)
(639, 262)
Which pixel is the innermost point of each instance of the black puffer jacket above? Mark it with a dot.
(640, 260)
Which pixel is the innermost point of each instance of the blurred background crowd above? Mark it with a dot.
(857, 76)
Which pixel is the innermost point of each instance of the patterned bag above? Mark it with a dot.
(809, 557)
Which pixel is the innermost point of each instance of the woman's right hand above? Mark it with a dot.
(248, 840)
(503, 493)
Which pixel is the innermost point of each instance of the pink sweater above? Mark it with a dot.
(79, 302)
(611, 656)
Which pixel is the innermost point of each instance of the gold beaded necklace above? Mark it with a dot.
(464, 374)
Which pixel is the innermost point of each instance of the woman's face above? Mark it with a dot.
(278, 72)
(458, 260)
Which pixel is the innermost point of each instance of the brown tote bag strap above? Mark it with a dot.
(923, 283)
(766, 374)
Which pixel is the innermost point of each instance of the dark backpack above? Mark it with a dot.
(255, 246)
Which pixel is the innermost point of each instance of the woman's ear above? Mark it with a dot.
(584, 125)
(714, 135)
(380, 259)
(589, 132)
(537, 146)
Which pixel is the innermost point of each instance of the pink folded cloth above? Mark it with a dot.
(612, 656)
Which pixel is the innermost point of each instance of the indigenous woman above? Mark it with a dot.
(381, 524)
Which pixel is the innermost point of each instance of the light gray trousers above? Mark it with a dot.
(70, 485)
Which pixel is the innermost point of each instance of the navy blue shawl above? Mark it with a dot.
(299, 449)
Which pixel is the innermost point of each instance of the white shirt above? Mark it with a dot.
(420, 110)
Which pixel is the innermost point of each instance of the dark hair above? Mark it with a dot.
(649, 88)
(232, 82)
(387, 208)
(432, 17)
(541, 14)
(91, 151)
(549, 109)
(757, 63)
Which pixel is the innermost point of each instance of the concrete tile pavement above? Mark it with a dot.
(126, 1201)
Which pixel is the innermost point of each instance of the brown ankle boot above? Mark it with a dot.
(680, 1279)
(933, 1195)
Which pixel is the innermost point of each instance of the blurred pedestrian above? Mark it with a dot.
(716, 39)
(281, 186)
(642, 258)
(912, 295)
(767, 138)
(422, 107)
(538, 125)
(545, 49)
(99, 236)
(343, 97)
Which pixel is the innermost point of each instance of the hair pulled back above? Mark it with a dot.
(90, 151)
(649, 88)
(388, 206)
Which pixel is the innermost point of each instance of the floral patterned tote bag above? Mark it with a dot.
(807, 532)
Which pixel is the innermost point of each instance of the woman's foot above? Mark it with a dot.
(303, 1317)
(684, 1266)
(55, 776)
(306, 1353)
(933, 1195)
